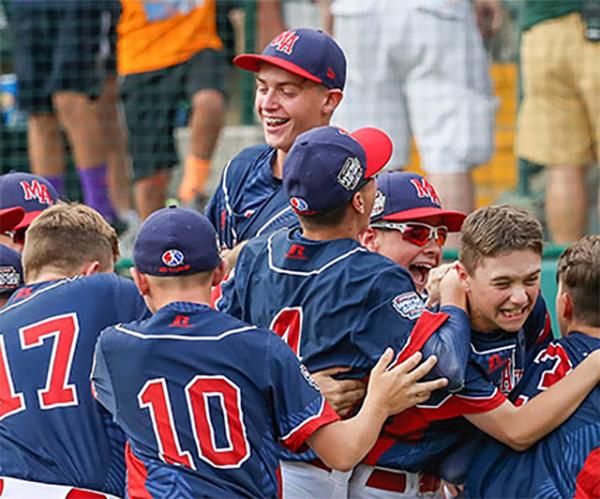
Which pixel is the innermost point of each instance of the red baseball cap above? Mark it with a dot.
(10, 218)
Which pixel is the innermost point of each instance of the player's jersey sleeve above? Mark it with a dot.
(299, 407)
(102, 388)
(392, 310)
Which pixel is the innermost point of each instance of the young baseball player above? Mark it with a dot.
(500, 260)
(300, 77)
(56, 440)
(566, 463)
(204, 398)
(409, 225)
(30, 192)
(332, 300)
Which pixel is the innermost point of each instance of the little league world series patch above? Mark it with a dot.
(409, 305)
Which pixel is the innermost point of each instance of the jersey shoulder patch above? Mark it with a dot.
(409, 305)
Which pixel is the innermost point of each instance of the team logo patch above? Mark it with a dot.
(350, 174)
(9, 277)
(299, 204)
(379, 204)
(172, 258)
(409, 305)
(36, 190)
(425, 190)
(285, 42)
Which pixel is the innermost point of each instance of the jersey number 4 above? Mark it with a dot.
(62, 331)
(198, 392)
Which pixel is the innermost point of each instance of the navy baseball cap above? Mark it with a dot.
(404, 196)
(176, 241)
(327, 165)
(309, 53)
(10, 218)
(11, 270)
(31, 192)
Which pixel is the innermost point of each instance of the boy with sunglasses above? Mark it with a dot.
(333, 301)
(409, 225)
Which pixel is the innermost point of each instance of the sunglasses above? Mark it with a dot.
(416, 233)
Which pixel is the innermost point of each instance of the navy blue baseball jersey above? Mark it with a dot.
(337, 304)
(497, 361)
(204, 400)
(566, 462)
(249, 200)
(51, 428)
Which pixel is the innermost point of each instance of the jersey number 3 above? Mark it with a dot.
(198, 392)
(62, 331)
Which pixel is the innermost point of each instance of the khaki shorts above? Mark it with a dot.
(559, 119)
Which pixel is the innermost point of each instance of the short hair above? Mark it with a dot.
(493, 230)
(66, 236)
(579, 272)
(330, 218)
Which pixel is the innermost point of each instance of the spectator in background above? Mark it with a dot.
(58, 54)
(418, 67)
(11, 272)
(559, 118)
(169, 51)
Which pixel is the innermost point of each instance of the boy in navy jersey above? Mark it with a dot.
(567, 462)
(204, 398)
(56, 440)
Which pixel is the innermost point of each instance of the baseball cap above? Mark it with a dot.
(404, 196)
(32, 193)
(327, 165)
(10, 218)
(176, 241)
(309, 53)
(11, 270)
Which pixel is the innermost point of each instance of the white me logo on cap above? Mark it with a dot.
(350, 174)
(172, 258)
(379, 204)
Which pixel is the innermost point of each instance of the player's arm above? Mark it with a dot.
(520, 427)
(343, 444)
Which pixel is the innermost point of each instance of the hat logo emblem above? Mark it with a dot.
(172, 258)
(284, 42)
(350, 174)
(299, 204)
(379, 204)
(425, 190)
(36, 190)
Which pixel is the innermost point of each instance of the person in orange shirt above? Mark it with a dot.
(168, 51)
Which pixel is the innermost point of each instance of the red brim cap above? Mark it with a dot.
(251, 62)
(378, 148)
(10, 218)
(451, 219)
(27, 219)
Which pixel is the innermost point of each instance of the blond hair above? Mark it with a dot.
(493, 230)
(579, 272)
(66, 236)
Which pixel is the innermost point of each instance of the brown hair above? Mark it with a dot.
(492, 230)
(66, 236)
(579, 272)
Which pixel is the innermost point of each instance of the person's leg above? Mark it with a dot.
(46, 149)
(205, 83)
(566, 203)
(150, 193)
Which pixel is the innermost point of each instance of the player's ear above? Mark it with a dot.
(91, 268)
(369, 238)
(565, 306)
(332, 100)
(218, 274)
(140, 281)
(463, 275)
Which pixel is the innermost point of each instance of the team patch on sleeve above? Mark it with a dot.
(408, 305)
(309, 378)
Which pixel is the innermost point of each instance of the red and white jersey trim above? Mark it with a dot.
(295, 438)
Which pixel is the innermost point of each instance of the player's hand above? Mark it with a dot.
(433, 283)
(397, 389)
(451, 490)
(490, 15)
(342, 394)
(451, 289)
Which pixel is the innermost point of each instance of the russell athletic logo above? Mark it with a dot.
(172, 258)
